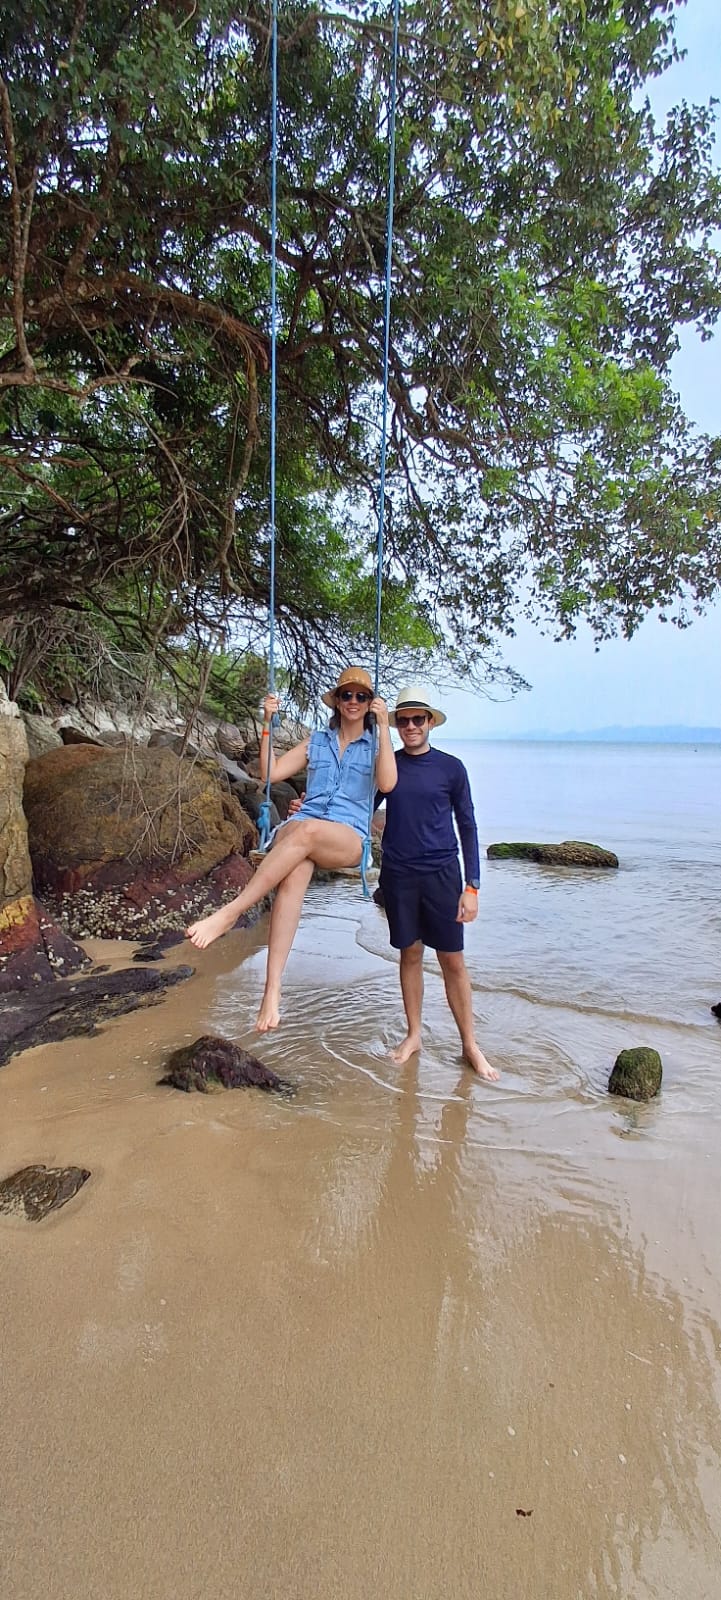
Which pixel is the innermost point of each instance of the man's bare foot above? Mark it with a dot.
(406, 1048)
(478, 1063)
(269, 1015)
(202, 933)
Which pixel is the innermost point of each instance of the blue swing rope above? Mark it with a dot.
(367, 856)
(264, 822)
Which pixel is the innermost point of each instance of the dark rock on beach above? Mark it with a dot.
(636, 1074)
(64, 1010)
(716, 1012)
(36, 1191)
(157, 948)
(571, 853)
(213, 1063)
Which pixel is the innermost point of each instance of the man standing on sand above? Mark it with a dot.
(426, 900)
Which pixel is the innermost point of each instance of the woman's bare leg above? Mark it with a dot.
(325, 844)
(284, 919)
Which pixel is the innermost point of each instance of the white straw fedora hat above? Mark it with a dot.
(416, 697)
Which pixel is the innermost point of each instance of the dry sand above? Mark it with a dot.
(348, 1346)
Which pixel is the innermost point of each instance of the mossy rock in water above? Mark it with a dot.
(571, 853)
(35, 1191)
(636, 1074)
(212, 1063)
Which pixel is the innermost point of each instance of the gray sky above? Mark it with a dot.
(663, 675)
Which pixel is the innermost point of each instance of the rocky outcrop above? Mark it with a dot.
(41, 735)
(32, 946)
(15, 868)
(571, 853)
(636, 1074)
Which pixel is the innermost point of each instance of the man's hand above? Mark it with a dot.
(296, 804)
(467, 907)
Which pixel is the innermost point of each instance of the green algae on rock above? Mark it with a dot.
(570, 853)
(213, 1063)
(636, 1074)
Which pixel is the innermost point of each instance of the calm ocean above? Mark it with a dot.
(643, 941)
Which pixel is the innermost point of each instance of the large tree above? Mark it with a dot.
(550, 242)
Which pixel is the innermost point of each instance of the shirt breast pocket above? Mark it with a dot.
(357, 779)
(320, 765)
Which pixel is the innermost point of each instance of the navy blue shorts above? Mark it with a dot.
(423, 905)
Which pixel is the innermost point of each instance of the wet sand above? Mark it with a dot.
(335, 1348)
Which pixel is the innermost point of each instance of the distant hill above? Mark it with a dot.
(665, 734)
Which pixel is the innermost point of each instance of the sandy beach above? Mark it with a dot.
(381, 1339)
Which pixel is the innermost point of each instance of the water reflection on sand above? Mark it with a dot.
(337, 1348)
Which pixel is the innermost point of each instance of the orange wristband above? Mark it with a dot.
(265, 734)
(468, 890)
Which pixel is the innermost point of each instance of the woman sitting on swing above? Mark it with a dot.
(328, 830)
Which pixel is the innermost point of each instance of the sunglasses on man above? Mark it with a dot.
(416, 720)
(363, 695)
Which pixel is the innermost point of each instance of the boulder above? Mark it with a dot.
(237, 775)
(171, 739)
(71, 735)
(230, 741)
(214, 1063)
(636, 1074)
(282, 794)
(571, 853)
(92, 810)
(129, 843)
(41, 735)
(252, 802)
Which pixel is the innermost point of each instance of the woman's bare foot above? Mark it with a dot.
(406, 1048)
(478, 1062)
(269, 1015)
(202, 933)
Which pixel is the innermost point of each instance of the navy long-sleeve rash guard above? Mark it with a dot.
(419, 835)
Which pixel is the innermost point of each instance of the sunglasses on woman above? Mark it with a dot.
(363, 695)
(415, 721)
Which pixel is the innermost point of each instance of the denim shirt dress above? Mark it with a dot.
(339, 787)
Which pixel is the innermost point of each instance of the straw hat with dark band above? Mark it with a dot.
(416, 697)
